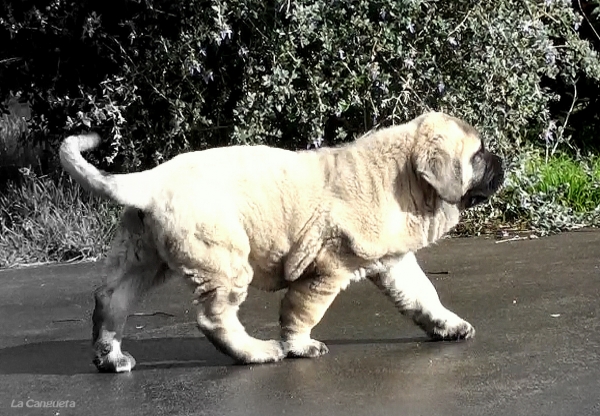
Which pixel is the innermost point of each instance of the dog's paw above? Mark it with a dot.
(310, 348)
(260, 351)
(110, 359)
(453, 330)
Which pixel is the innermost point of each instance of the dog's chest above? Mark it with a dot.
(369, 270)
(436, 226)
(338, 258)
(267, 274)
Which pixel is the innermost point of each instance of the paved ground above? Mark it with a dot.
(535, 305)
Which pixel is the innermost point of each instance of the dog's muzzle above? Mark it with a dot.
(490, 182)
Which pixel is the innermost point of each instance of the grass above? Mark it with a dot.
(575, 183)
(542, 195)
(46, 220)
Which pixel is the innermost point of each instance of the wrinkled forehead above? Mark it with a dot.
(457, 137)
(466, 143)
(464, 137)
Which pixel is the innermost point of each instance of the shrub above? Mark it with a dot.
(158, 77)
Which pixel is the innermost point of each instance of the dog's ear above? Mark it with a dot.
(442, 172)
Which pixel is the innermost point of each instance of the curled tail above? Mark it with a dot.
(131, 189)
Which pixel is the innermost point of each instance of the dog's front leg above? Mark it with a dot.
(415, 296)
(217, 319)
(302, 308)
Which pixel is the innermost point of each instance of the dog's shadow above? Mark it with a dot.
(75, 356)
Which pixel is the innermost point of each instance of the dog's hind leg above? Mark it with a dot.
(133, 266)
(414, 295)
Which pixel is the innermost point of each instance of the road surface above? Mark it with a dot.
(535, 305)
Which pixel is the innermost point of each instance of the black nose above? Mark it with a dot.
(494, 172)
(496, 162)
(491, 181)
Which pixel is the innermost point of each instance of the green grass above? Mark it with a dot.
(575, 183)
(45, 220)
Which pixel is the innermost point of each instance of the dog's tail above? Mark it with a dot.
(126, 189)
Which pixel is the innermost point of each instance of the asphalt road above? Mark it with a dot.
(535, 305)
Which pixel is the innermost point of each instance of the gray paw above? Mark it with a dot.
(307, 349)
(453, 331)
(259, 352)
(112, 360)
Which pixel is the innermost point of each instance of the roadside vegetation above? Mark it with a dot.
(156, 78)
(47, 220)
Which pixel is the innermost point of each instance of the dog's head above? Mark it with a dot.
(451, 157)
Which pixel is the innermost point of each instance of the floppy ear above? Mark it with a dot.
(442, 172)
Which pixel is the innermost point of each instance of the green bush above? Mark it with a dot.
(158, 77)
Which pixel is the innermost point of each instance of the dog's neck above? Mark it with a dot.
(364, 169)
(437, 225)
(367, 178)
(435, 215)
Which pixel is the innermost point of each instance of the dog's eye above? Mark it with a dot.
(478, 155)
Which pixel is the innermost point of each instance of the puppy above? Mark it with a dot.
(309, 222)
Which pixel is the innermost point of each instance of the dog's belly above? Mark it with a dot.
(268, 279)
(268, 272)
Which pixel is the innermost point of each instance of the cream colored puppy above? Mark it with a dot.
(307, 221)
